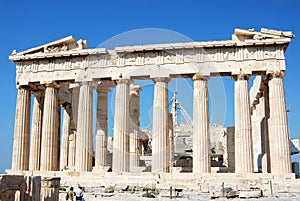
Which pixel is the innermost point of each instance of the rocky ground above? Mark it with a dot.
(186, 196)
(130, 197)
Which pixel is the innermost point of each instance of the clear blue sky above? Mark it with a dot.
(26, 24)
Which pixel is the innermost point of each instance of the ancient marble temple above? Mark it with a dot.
(65, 74)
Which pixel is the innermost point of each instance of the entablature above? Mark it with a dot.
(248, 52)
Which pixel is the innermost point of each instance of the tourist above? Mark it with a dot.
(79, 193)
(70, 194)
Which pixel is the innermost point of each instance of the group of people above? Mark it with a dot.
(75, 195)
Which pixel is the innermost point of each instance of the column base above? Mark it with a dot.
(137, 169)
(101, 169)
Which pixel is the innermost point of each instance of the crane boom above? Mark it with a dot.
(177, 105)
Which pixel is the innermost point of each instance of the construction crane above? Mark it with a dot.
(176, 105)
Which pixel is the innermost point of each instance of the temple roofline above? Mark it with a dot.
(69, 46)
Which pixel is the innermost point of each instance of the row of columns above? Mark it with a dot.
(46, 118)
(275, 145)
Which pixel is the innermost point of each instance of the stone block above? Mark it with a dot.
(250, 193)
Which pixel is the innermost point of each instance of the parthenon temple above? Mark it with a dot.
(63, 76)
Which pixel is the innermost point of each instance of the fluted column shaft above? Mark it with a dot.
(201, 141)
(243, 136)
(160, 132)
(101, 127)
(20, 158)
(135, 141)
(72, 150)
(36, 131)
(84, 137)
(50, 134)
(265, 150)
(65, 138)
(171, 142)
(57, 142)
(278, 126)
(121, 127)
(73, 128)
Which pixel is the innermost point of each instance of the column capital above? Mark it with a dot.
(241, 76)
(161, 79)
(135, 89)
(103, 90)
(123, 81)
(87, 83)
(27, 87)
(198, 76)
(53, 85)
(275, 74)
(38, 92)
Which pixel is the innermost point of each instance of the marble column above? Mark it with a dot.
(201, 141)
(50, 134)
(101, 127)
(256, 117)
(65, 137)
(278, 126)
(135, 141)
(72, 150)
(75, 103)
(265, 150)
(121, 127)
(57, 142)
(73, 127)
(160, 132)
(36, 131)
(84, 136)
(243, 137)
(171, 142)
(20, 157)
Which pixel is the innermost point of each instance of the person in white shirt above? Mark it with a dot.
(79, 193)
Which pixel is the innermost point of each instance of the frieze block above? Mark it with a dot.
(150, 57)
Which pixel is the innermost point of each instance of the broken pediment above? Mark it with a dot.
(61, 45)
(243, 35)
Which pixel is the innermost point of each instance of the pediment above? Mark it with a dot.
(61, 45)
(264, 33)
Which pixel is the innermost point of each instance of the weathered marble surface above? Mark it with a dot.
(248, 51)
(66, 74)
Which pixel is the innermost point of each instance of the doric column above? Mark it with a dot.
(50, 131)
(36, 131)
(256, 112)
(101, 129)
(20, 158)
(65, 137)
(278, 126)
(201, 141)
(72, 150)
(171, 142)
(75, 103)
(243, 137)
(121, 127)
(84, 136)
(265, 150)
(57, 142)
(160, 132)
(135, 141)
(73, 128)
